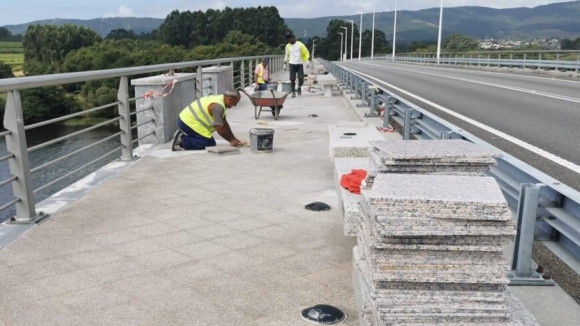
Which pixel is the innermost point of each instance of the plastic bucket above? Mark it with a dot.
(261, 140)
(286, 87)
(272, 86)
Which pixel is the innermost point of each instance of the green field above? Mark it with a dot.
(12, 54)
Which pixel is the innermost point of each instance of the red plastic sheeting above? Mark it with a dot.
(352, 180)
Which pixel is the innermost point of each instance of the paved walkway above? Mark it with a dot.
(195, 239)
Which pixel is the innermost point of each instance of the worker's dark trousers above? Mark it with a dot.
(296, 69)
(192, 140)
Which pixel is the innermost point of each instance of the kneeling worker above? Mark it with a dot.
(198, 121)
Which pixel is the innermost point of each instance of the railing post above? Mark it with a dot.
(499, 60)
(540, 61)
(19, 164)
(558, 61)
(250, 77)
(125, 122)
(489, 60)
(522, 272)
(363, 95)
(373, 105)
(577, 62)
(407, 126)
(479, 60)
(233, 73)
(199, 79)
(524, 64)
(242, 75)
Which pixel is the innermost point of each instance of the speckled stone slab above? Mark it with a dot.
(342, 145)
(423, 307)
(447, 149)
(430, 189)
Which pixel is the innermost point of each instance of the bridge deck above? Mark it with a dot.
(199, 239)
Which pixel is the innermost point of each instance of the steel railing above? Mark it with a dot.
(15, 134)
(554, 213)
(562, 60)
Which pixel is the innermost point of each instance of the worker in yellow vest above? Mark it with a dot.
(198, 121)
(262, 75)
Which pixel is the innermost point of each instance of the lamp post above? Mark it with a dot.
(395, 31)
(351, 37)
(340, 52)
(360, 36)
(440, 29)
(373, 32)
(345, 40)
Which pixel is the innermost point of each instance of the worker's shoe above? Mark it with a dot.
(293, 94)
(177, 139)
(299, 90)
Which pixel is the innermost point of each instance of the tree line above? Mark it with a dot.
(183, 36)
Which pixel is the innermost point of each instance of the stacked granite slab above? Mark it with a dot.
(429, 252)
(449, 156)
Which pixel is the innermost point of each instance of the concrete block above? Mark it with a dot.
(342, 145)
(348, 202)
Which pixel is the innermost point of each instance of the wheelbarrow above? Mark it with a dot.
(274, 100)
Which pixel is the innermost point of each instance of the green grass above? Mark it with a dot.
(13, 59)
(11, 47)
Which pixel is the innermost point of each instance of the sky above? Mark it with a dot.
(31, 10)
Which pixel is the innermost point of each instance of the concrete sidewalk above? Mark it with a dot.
(195, 239)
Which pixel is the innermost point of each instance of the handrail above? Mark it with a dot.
(70, 116)
(21, 83)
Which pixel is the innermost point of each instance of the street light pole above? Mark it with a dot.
(360, 35)
(340, 52)
(345, 40)
(373, 31)
(440, 29)
(351, 37)
(395, 31)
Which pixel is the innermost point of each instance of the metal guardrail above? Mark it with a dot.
(553, 60)
(15, 136)
(554, 213)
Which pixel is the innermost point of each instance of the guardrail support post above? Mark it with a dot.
(363, 94)
(19, 164)
(199, 82)
(524, 65)
(125, 122)
(522, 272)
(577, 62)
(373, 105)
(407, 126)
(233, 72)
(540, 61)
(387, 113)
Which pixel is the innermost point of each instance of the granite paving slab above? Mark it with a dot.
(433, 149)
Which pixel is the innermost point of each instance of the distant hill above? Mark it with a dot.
(103, 26)
(560, 20)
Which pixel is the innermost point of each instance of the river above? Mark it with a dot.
(41, 156)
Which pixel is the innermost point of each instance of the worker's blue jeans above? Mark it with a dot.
(263, 87)
(192, 140)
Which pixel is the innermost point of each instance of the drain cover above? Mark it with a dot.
(350, 134)
(313, 116)
(323, 315)
(317, 206)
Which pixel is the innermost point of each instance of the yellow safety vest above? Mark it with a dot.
(261, 74)
(197, 117)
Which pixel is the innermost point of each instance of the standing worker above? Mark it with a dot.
(296, 55)
(262, 75)
(197, 122)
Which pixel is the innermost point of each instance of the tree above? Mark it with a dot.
(121, 33)
(329, 46)
(4, 33)
(45, 47)
(460, 43)
(5, 70)
(568, 44)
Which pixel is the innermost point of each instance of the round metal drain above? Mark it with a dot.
(317, 207)
(313, 116)
(323, 315)
(350, 134)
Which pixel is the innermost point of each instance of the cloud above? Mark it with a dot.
(123, 11)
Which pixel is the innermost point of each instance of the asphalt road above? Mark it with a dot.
(541, 111)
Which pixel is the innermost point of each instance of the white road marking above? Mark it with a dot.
(481, 72)
(512, 88)
(556, 159)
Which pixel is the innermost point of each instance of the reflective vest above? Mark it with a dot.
(197, 117)
(261, 74)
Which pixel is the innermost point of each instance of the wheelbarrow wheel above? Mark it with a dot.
(275, 112)
(257, 112)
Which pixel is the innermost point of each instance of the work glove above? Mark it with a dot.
(284, 67)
